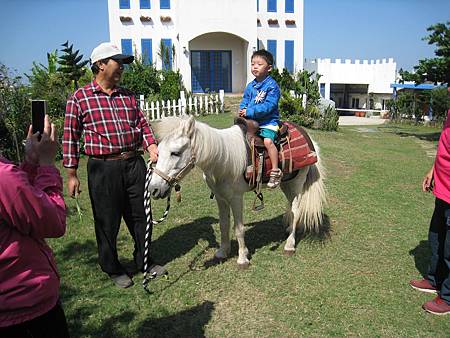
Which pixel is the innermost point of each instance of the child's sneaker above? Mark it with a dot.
(275, 178)
(437, 306)
(423, 285)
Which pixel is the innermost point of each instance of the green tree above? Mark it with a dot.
(164, 53)
(437, 69)
(48, 83)
(171, 85)
(142, 78)
(440, 103)
(71, 64)
(14, 113)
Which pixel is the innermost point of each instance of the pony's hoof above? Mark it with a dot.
(289, 253)
(219, 260)
(243, 266)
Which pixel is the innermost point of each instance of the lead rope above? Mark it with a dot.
(151, 222)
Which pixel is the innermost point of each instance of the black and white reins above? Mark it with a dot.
(173, 182)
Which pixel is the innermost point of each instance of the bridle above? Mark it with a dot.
(173, 180)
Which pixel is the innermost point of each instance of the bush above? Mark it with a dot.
(414, 105)
(171, 85)
(329, 120)
(303, 85)
(142, 79)
(145, 79)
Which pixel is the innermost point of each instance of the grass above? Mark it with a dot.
(353, 284)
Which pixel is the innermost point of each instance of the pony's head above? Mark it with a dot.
(175, 157)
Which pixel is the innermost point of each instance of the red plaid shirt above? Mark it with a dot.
(111, 124)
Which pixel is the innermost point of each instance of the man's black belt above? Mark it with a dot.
(122, 156)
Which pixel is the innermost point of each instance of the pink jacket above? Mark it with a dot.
(31, 208)
(442, 164)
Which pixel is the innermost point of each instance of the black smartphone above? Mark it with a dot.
(38, 111)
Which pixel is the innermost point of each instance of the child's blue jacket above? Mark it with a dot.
(261, 101)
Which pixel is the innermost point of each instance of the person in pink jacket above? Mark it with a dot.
(32, 208)
(437, 180)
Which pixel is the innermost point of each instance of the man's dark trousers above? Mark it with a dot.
(116, 189)
(439, 240)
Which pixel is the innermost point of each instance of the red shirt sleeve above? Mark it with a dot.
(73, 129)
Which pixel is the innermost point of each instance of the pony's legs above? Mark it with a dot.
(224, 222)
(293, 191)
(237, 204)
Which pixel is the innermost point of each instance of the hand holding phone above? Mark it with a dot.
(38, 112)
(41, 149)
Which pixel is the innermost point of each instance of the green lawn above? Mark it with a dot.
(353, 284)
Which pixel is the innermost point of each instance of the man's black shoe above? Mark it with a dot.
(121, 281)
(156, 270)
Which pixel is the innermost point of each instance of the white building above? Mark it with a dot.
(354, 84)
(210, 41)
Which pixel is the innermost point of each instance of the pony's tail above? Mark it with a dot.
(313, 198)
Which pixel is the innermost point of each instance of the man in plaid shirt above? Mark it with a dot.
(114, 131)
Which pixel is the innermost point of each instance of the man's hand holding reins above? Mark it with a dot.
(153, 151)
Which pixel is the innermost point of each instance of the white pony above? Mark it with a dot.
(221, 154)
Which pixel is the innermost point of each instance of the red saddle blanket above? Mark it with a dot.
(296, 151)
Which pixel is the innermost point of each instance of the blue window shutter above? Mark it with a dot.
(164, 4)
(272, 48)
(289, 6)
(127, 46)
(271, 5)
(146, 48)
(124, 4)
(145, 4)
(168, 44)
(289, 55)
(257, 5)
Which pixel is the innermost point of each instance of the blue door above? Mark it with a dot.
(210, 70)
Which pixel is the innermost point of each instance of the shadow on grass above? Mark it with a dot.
(179, 240)
(85, 253)
(422, 254)
(431, 137)
(274, 232)
(76, 316)
(189, 323)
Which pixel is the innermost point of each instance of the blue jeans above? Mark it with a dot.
(439, 240)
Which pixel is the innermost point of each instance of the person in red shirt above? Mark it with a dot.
(32, 208)
(114, 131)
(437, 279)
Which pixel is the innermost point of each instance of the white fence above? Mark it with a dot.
(200, 104)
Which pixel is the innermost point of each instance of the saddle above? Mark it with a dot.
(295, 151)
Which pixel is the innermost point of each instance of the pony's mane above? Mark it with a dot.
(166, 127)
(221, 152)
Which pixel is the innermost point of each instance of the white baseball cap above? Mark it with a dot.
(109, 50)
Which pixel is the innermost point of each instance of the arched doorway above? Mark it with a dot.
(218, 61)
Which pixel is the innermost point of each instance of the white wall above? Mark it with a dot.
(201, 17)
(378, 74)
(283, 32)
(192, 19)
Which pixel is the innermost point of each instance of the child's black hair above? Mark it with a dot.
(266, 55)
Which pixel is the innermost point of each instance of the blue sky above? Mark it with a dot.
(353, 29)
